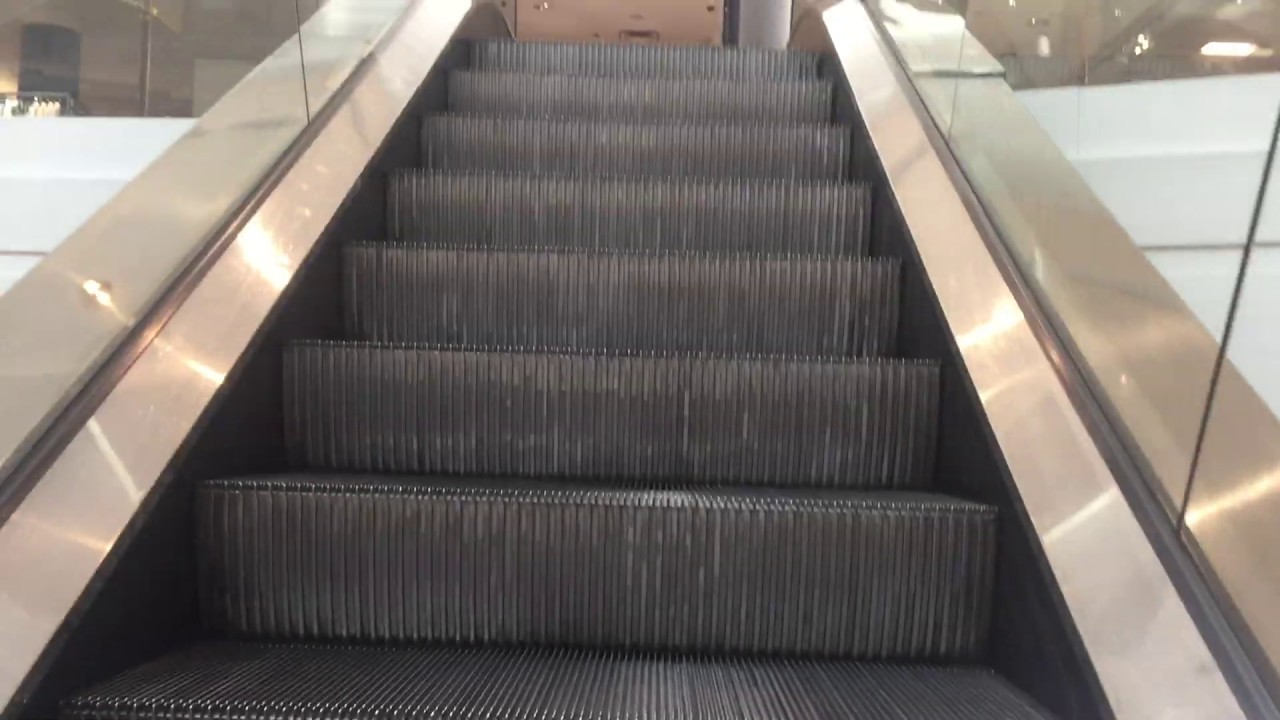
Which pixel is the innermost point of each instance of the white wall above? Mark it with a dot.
(57, 172)
(1179, 163)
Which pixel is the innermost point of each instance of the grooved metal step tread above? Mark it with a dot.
(704, 419)
(569, 147)
(609, 301)
(474, 560)
(266, 682)
(540, 212)
(633, 99)
(304, 682)
(604, 60)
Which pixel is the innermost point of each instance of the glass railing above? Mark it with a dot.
(131, 132)
(1120, 148)
(1121, 41)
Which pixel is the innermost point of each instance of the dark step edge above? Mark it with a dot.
(720, 50)
(647, 354)
(560, 491)
(560, 250)
(828, 126)
(801, 184)
(675, 80)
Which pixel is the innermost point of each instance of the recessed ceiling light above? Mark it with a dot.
(1223, 48)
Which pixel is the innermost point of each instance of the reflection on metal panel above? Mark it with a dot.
(71, 520)
(1148, 653)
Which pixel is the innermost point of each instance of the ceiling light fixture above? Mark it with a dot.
(1142, 44)
(1223, 48)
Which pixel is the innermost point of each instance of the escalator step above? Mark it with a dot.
(565, 147)
(610, 301)
(600, 60)
(371, 558)
(268, 682)
(529, 211)
(639, 99)
(863, 424)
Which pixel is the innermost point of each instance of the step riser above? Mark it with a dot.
(859, 425)
(602, 60)
(798, 152)
(638, 99)
(562, 213)
(852, 579)
(836, 308)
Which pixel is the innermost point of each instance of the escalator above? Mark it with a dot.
(616, 428)
(615, 390)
